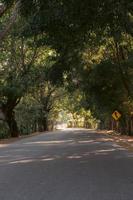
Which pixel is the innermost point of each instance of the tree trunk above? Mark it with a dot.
(10, 119)
(123, 125)
(45, 123)
(130, 133)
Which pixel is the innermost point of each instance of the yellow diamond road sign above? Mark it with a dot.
(116, 115)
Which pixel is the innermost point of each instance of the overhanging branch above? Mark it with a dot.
(8, 26)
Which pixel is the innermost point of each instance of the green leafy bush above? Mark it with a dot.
(4, 131)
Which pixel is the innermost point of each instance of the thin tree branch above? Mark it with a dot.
(3, 9)
(11, 21)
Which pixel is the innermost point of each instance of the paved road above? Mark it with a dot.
(68, 165)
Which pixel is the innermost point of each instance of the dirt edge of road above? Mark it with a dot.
(122, 140)
(11, 140)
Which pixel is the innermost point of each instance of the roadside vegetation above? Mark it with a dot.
(65, 62)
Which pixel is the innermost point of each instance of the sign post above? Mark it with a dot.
(116, 116)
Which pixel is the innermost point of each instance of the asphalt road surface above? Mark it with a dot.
(68, 165)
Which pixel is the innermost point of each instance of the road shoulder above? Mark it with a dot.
(122, 140)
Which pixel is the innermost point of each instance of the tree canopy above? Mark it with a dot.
(52, 50)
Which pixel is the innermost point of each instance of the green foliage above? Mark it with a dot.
(4, 130)
(27, 115)
(106, 85)
(83, 49)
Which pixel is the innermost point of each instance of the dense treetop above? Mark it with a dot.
(56, 49)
